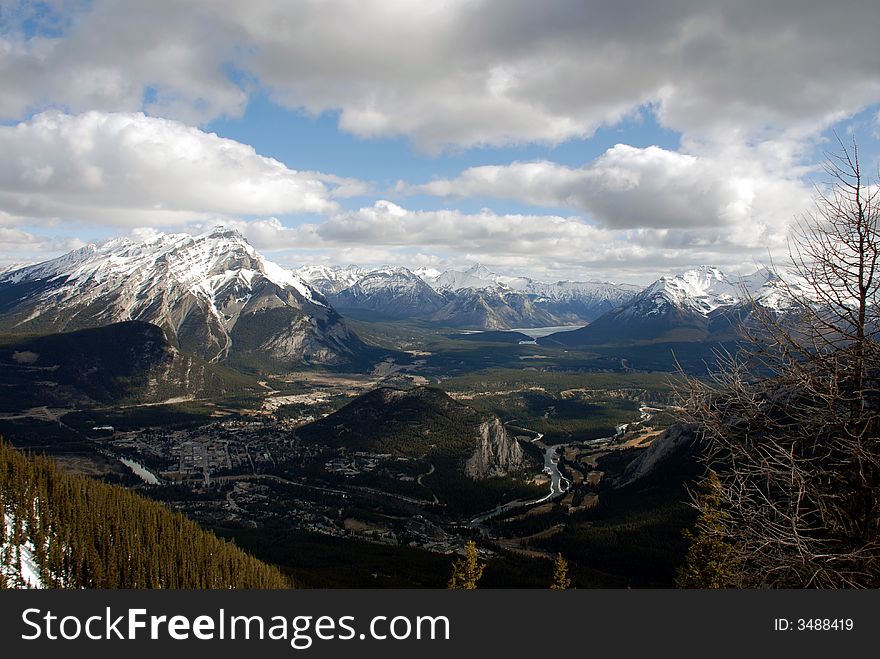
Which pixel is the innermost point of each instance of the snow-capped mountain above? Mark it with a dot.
(689, 306)
(702, 290)
(213, 293)
(9, 267)
(498, 308)
(474, 298)
(330, 279)
(490, 300)
(707, 289)
(475, 278)
(427, 274)
(394, 292)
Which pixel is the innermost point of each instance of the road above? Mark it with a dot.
(419, 481)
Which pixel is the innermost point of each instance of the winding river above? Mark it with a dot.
(559, 484)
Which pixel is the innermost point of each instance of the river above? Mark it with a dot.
(559, 484)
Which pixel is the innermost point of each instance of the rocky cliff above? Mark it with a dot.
(496, 454)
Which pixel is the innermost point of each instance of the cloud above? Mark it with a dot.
(462, 72)
(20, 246)
(629, 187)
(539, 244)
(119, 57)
(748, 85)
(127, 169)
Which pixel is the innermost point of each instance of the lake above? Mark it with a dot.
(538, 332)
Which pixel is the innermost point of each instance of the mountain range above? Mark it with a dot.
(475, 298)
(700, 305)
(215, 297)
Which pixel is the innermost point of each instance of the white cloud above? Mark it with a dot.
(464, 72)
(748, 85)
(20, 246)
(126, 169)
(630, 187)
(122, 57)
(543, 245)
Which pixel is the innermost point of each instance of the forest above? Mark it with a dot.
(82, 533)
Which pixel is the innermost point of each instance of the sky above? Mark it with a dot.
(556, 139)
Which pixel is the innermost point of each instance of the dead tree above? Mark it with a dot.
(791, 421)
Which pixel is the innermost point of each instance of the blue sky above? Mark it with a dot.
(314, 142)
(571, 138)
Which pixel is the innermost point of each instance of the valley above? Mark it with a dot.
(428, 411)
(438, 295)
(255, 462)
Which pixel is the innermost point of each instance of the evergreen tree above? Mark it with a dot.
(561, 580)
(87, 534)
(466, 572)
(711, 561)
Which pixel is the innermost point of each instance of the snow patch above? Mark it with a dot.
(278, 275)
(27, 573)
(140, 471)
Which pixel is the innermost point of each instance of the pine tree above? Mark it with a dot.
(711, 560)
(466, 572)
(561, 580)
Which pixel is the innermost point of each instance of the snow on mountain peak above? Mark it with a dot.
(707, 288)
(427, 273)
(202, 264)
(330, 279)
(221, 231)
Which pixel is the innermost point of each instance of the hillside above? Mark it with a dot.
(408, 423)
(463, 449)
(67, 531)
(130, 362)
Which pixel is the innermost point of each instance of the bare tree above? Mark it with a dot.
(791, 422)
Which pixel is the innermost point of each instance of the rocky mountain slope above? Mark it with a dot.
(678, 441)
(497, 453)
(213, 294)
(390, 292)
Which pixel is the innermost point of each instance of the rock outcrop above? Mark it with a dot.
(497, 453)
